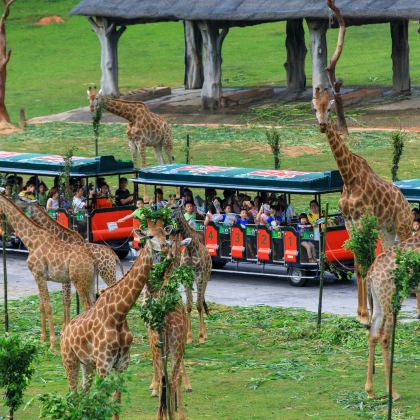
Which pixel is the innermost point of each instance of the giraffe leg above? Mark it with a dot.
(418, 304)
(371, 367)
(142, 148)
(87, 376)
(43, 320)
(133, 151)
(188, 318)
(175, 382)
(362, 310)
(185, 378)
(117, 398)
(157, 365)
(71, 363)
(66, 303)
(158, 153)
(201, 305)
(168, 149)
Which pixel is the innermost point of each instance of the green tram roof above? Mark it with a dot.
(410, 188)
(245, 179)
(52, 165)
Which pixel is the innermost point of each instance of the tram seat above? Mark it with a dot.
(102, 203)
(238, 251)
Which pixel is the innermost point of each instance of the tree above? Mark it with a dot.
(398, 146)
(273, 140)
(4, 59)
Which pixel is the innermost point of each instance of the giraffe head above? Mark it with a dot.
(322, 104)
(93, 97)
(157, 237)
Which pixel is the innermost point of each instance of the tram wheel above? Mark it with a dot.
(295, 276)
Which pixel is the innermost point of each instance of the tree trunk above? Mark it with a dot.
(296, 53)
(212, 87)
(4, 59)
(400, 56)
(193, 58)
(318, 42)
(108, 36)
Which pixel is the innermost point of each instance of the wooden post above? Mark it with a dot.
(322, 267)
(318, 45)
(296, 53)
(212, 42)
(400, 56)
(22, 118)
(193, 57)
(108, 36)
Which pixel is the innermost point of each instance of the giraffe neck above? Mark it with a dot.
(346, 161)
(125, 293)
(40, 216)
(125, 109)
(29, 232)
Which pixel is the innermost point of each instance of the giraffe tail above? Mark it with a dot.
(206, 308)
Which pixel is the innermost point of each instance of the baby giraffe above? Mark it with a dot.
(380, 282)
(100, 338)
(175, 333)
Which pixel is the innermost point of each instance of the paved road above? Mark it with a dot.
(228, 289)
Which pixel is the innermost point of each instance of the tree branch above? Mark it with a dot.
(93, 24)
(6, 11)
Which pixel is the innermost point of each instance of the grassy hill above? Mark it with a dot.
(51, 66)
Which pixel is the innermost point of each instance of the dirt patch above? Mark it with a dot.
(291, 151)
(48, 20)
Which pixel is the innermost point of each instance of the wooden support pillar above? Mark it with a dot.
(296, 53)
(108, 36)
(400, 56)
(213, 38)
(318, 43)
(193, 57)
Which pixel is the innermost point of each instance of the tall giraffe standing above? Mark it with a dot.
(175, 333)
(145, 128)
(364, 192)
(381, 285)
(197, 257)
(100, 337)
(51, 259)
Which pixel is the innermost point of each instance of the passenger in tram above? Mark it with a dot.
(123, 197)
(309, 246)
(42, 194)
(289, 212)
(103, 197)
(263, 214)
(416, 227)
(79, 203)
(313, 215)
(415, 212)
(190, 215)
(160, 202)
(136, 214)
(229, 218)
(243, 218)
(28, 193)
(8, 191)
(248, 205)
(276, 218)
(53, 199)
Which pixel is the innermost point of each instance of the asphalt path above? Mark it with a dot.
(229, 289)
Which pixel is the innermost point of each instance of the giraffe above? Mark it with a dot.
(51, 259)
(197, 257)
(105, 257)
(380, 282)
(175, 333)
(145, 128)
(100, 337)
(364, 192)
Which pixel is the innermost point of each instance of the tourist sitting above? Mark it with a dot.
(123, 197)
(276, 217)
(313, 215)
(190, 215)
(289, 212)
(415, 212)
(103, 197)
(263, 214)
(309, 246)
(416, 227)
(79, 203)
(214, 214)
(243, 218)
(28, 193)
(248, 205)
(136, 214)
(229, 218)
(42, 194)
(53, 201)
(160, 202)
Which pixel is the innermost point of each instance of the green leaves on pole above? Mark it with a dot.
(362, 242)
(273, 140)
(398, 146)
(65, 174)
(322, 267)
(96, 123)
(16, 370)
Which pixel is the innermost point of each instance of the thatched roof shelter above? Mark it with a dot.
(207, 23)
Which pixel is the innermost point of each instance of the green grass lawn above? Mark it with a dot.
(51, 66)
(259, 363)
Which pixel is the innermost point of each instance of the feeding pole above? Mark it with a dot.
(322, 267)
(6, 310)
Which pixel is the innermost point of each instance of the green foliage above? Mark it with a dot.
(96, 123)
(155, 281)
(273, 140)
(65, 174)
(16, 370)
(406, 275)
(398, 139)
(155, 309)
(164, 214)
(362, 242)
(96, 403)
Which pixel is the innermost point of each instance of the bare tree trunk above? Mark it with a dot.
(400, 56)
(108, 36)
(193, 70)
(296, 53)
(212, 41)
(318, 41)
(4, 59)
